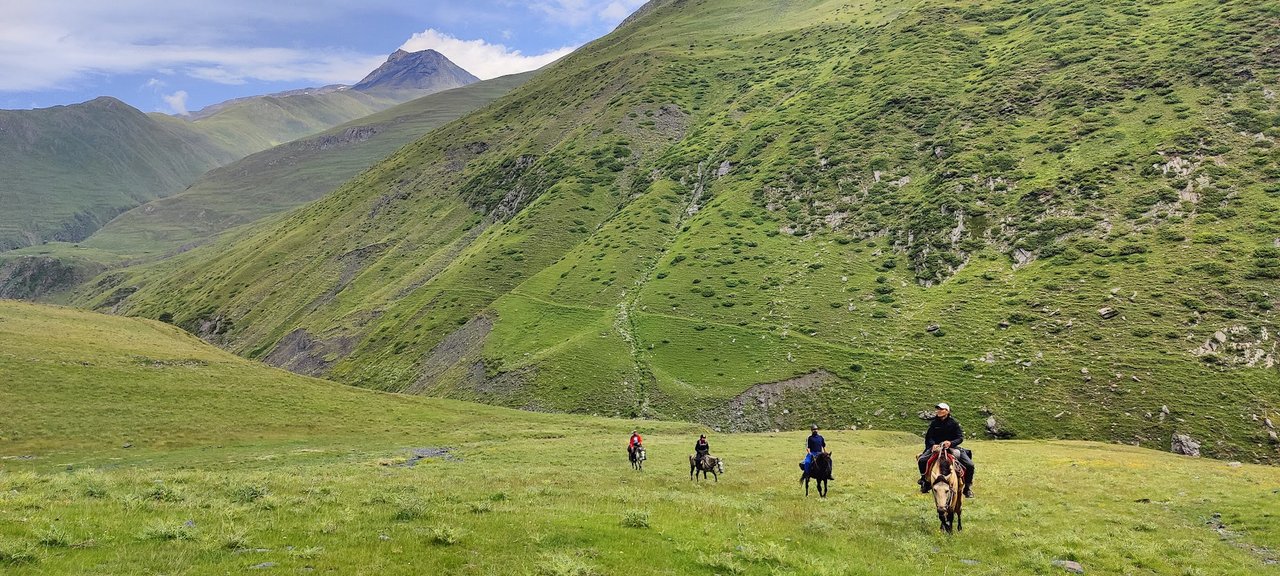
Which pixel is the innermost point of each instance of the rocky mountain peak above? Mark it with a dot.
(425, 69)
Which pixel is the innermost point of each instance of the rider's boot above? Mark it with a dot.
(968, 489)
(924, 484)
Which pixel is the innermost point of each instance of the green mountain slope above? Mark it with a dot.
(66, 170)
(256, 123)
(1060, 216)
(130, 447)
(288, 175)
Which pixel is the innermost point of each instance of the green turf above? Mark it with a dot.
(130, 447)
(922, 201)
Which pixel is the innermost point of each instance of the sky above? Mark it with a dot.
(177, 56)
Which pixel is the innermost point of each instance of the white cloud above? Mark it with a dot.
(61, 44)
(154, 84)
(582, 12)
(177, 102)
(56, 44)
(479, 57)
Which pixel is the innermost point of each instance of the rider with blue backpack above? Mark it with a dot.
(816, 444)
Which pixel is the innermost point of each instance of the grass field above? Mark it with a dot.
(129, 447)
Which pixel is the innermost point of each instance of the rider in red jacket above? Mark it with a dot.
(635, 442)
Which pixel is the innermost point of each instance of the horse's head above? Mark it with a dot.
(942, 493)
(719, 465)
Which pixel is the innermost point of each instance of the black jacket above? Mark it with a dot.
(702, 447)
(816, 443)
(942, 430)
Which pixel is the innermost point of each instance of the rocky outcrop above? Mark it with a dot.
(762, 407)
(1240, 345)
(1185, 445)
(301, 353)
(37, 277)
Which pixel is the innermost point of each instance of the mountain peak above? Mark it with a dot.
(422, 70)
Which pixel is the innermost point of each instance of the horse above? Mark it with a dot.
(948, 490)
(637, 458)
(820, 470)
(709, 463)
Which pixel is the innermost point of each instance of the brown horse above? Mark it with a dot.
(705, 464)
(948, 489)
(820, 470)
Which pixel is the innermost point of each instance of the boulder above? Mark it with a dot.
(1108, 313)
(927, 414)
(932, 328)
(1185, 445)
(1070, 566)
(993, 427)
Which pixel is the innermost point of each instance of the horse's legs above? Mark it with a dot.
(959, 521)
(806, 486)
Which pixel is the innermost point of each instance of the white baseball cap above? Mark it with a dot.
(943, 406)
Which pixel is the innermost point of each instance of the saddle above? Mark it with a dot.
(951, 460)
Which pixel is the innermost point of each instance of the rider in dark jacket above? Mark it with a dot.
(815, 444)
(701, 449)
(944, 433)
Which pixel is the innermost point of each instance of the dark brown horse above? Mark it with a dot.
(820, 470)
(948, 490)
(705, 464)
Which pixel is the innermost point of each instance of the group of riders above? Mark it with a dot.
(944, 435)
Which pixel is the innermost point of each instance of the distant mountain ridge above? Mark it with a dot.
(67, 170)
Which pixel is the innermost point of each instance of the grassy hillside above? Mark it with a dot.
(66, 170)
(130, 447)
(288, 175)
(255, 124)
(1060, 215)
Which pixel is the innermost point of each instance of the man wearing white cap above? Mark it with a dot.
(945, 434)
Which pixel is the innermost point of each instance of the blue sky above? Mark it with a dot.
(181, 55)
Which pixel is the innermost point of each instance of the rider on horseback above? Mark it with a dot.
(945, 434)
(816, 445)
(701, 449)
(635, 442)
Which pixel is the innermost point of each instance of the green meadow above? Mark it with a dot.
(130, 447)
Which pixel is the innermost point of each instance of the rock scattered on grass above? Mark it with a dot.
(1185, 445)
(1070, 566)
